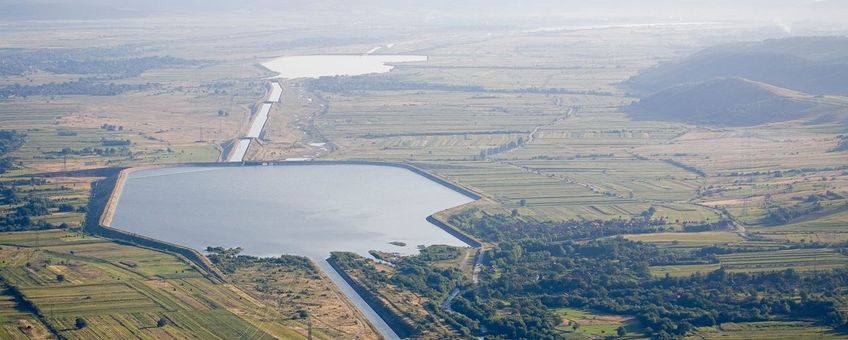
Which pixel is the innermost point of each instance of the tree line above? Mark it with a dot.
(79, 87)
(338, 84)
(612, 275)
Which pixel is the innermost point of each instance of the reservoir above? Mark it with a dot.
(306, 209)
(314, 66)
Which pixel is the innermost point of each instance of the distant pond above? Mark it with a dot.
(314, 66)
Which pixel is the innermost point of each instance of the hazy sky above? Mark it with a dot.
(780, 11)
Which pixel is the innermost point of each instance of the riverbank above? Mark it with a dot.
(105, 194)
(393, 326)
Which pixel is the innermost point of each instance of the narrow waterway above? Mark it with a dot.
(242, 144)
(259, 121)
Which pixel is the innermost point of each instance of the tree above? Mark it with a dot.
(162, 322)
(621, 331)
(80, 323)
(60, 278)
(647, 214)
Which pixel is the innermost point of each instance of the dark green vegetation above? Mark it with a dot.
(612, 276)
(26, 201)
(841, 143)
(90, 87)
(340, 84)
(10, 140)
(527, 278)
(19, 202)
(114, 63)
(229, 260)
(555, 265)
(501, 227)
(412, 288)
(101, 68)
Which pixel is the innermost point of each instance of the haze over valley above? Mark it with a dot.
(423, 170)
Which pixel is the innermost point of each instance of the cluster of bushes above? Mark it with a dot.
(611, 275)
(24, 208)
(115, 142)
(380, 83)
(501, 227)
(390, 83)
(521, 318)
(501, 148)
(82, 86)
(23, 216)
(88, 151)
(95, 61)
(116, 68)
(778, 215)
(417, 274)
(231, 259)
(686, 167)
(10, 140)
(841, 144)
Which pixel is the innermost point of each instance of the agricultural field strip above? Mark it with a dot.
(132, 295)
(798, 259)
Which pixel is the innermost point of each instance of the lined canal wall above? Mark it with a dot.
(400, 326)
(105, 194)
(257, 125)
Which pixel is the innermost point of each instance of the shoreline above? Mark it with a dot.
(101, 209)
(115, 185)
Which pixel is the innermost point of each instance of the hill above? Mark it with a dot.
(721, 102)
(816, 65)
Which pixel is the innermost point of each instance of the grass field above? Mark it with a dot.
(767, 330)
(827, 228)
(291, 289)
(798, 259)
(762, 261)
(687, 240)
(125, 291)
(597, 324)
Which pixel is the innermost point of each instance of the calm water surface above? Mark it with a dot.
(314, 66)
(307, 210)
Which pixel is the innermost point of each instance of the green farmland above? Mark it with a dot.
(764, 261)
(126, 291)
